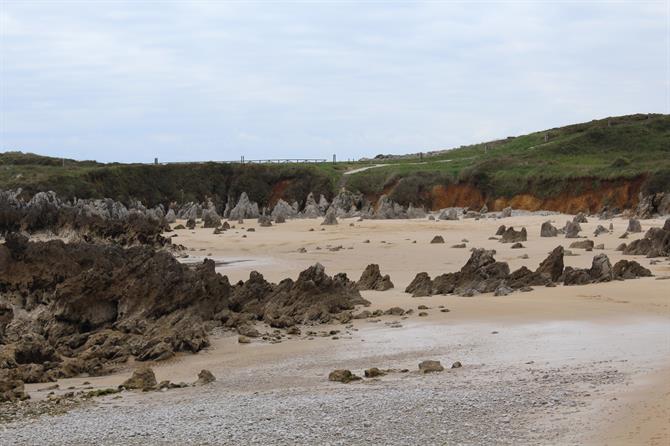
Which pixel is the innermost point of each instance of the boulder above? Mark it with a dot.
(448, 214)
(204, 377)
(211, 219)
(634, 226)
(437, 239)
(420, 286)
(512, 236)
(374, 372)
(372, 279)
(572, 229)
(12, 390)
(548, 230)
(331, 218)
(580, 218)
(343, 376)
(142, 379)
(430, 366)
(582, 244)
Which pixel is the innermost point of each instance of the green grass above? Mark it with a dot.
(616, 148)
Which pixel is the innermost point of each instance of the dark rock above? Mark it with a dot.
(343, 376)
(142, 379)
(512, 236)
(430, 366)
(548, 230)
(371, 279)
(205, 377)
(437, 239)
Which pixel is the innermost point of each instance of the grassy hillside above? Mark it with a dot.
(543, 164)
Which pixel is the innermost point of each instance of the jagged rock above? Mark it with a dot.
(507, 212)
(244, 208)
(459, 245)
(634, 226)
(572, 229)
(628, 269)
(449, 214)
(264, 221)
(652, 204)
(413, 212)
(371, 279)
(282, 211)
(512, 236)
(600, 230)
(420, 286)
(437, 239)
(582, 244)
(170, 217)
(600, 246)
(330, 219)
(472, 214)
(501, 230)
(655, 243)
(430, 366)
(517, 245)
(312, 209)
(387, 209)
(343, 376)
(323, 203)
(601, 269)
(211, 219)
(548, 230)
(456, 365)
(484, 209)
(241, 339)
(190, 223)
(580, 218)
(205, 377)
(142, 379)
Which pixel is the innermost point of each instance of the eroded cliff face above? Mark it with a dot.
(582, 196)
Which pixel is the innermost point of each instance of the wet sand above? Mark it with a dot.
(602, 351)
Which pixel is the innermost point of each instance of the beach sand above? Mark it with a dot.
(564, 365)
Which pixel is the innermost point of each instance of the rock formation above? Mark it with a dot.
(78, 308)
(331, 218)
(372, 279)
(483, 274)
(512, 236)
(244, 208)
(548, 230)
(656, 243)
(87, 220)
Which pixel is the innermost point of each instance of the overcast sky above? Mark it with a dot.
(207, 80)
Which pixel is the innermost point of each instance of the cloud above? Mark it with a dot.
(212, 80)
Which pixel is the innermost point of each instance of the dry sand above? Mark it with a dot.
(602, 351)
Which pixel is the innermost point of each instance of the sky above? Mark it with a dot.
(216, 80)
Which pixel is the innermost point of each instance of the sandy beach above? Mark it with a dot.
(564, 365)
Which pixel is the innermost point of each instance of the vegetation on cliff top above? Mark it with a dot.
(543, 163)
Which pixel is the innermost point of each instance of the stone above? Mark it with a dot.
(582, 244)
(437, 239)
(205, 377)
(430, 366)
(142, 379)
(343, 376)
(548, 230)
(512, 236)
(456, 365)
(372, 279)
(330, 218)
(373, 372)
(580, 218)
(572, 229)
(243, 339)
(634, 226)
(422, 285)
